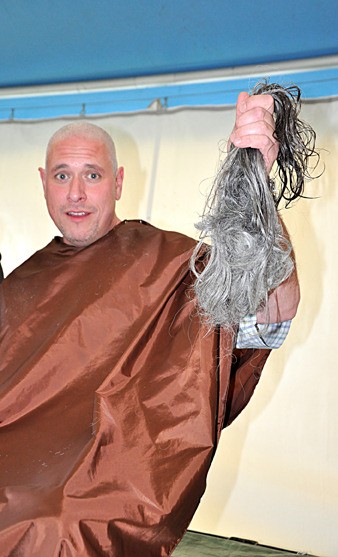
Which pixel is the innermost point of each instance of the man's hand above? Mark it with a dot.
(254, 126)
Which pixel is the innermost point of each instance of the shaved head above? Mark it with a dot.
(87, 130)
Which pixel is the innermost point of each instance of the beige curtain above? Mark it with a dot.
(275, 476)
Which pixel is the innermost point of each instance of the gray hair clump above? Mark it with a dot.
(250, 254)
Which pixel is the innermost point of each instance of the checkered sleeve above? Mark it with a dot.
(252, 335)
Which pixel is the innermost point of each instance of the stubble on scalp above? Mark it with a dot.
(87, 131)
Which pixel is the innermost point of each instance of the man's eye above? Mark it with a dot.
(61, 176)
(94, 176)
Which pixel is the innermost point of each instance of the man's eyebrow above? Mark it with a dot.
(64, 165)
(59, 167)
(95, 167)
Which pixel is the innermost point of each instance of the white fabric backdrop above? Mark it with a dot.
(275, 475)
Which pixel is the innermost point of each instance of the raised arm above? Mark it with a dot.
(255, 127)
(249, 269)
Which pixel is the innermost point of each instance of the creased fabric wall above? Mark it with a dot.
(275, 476)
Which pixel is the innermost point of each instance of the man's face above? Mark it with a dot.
(81, 189)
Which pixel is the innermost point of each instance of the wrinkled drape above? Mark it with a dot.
(113, 396)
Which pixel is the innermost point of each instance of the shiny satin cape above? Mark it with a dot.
(113, 397)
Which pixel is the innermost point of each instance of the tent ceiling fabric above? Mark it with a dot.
(47, 43)
(51, 42)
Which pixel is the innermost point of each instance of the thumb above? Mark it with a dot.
(241, 102)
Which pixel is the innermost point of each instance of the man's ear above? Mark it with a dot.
(42, 173)
(119, 181)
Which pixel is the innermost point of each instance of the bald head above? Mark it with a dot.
(86, 130)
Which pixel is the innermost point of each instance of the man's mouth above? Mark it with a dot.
(77, 214)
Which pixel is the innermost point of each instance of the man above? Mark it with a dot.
(113, 391)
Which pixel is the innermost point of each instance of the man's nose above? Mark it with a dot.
(77, 190)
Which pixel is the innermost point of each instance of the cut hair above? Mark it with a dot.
(250, 254)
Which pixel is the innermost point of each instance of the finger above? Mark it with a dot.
(255, 122)
(256, 141)
(255, 115)
(259, 101)
(267, 146)
(245, 132)
(241, 102)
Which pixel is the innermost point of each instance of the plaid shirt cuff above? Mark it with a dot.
(252, 335)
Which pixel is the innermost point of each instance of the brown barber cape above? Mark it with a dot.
(113, 396)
